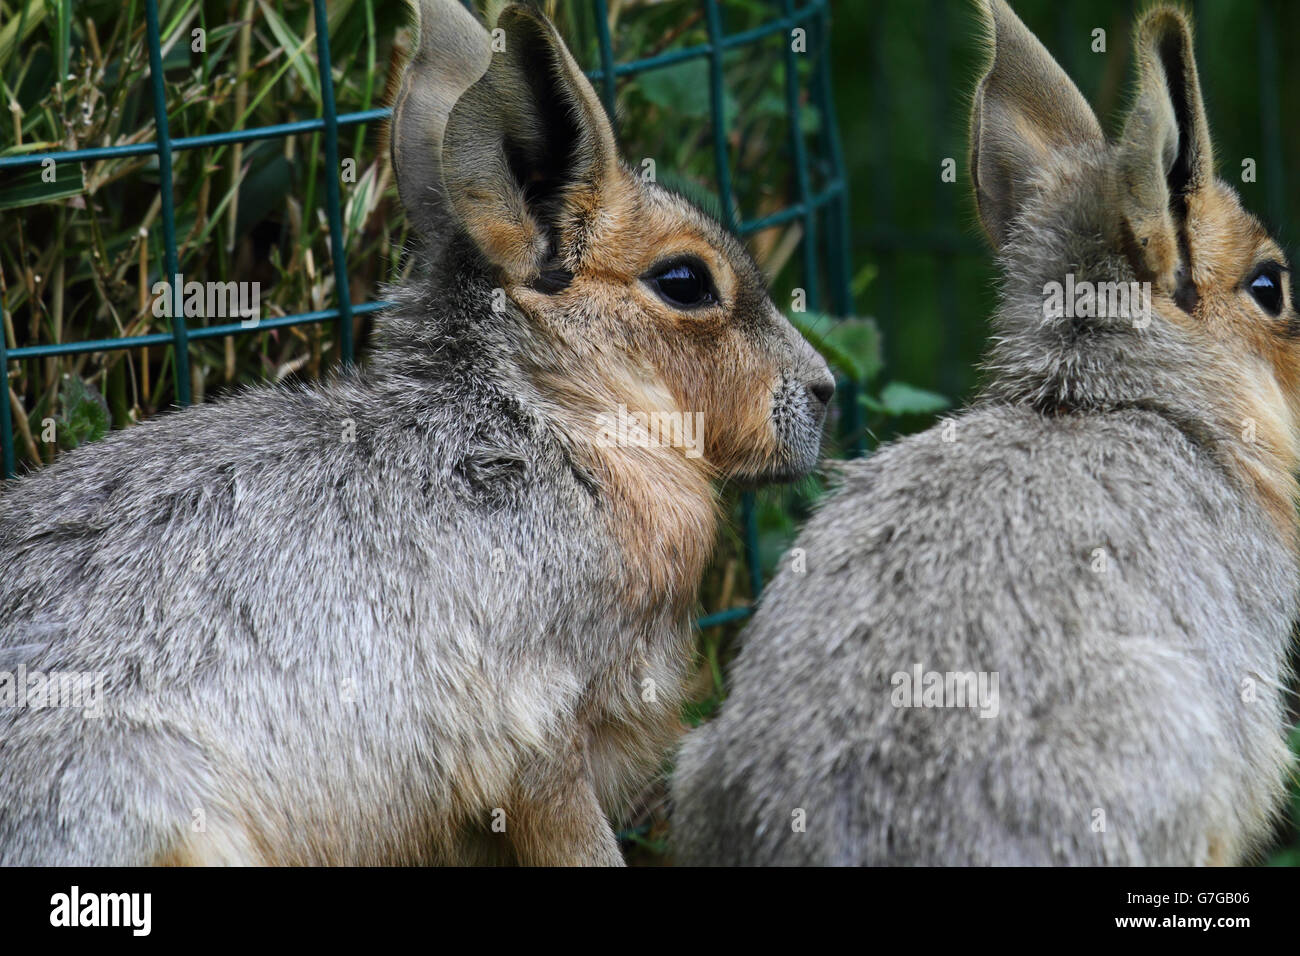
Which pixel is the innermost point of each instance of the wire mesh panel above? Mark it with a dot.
(821, 211)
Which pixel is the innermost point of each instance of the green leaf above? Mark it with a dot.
(898, 398)
(871, 404)
(85, 413)
(860, 337)
(33, 14)
(684, 90)
(265, 186)
(29, 188)
(294, 49)
(851, 346)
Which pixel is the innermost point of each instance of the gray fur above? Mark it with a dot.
(1120, 691)
(346, 623)
(318, 561)
(1146, 693)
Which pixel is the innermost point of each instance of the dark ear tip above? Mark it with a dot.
(528, 26)
(1161, 24)
(522, 15)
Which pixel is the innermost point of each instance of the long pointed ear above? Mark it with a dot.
(453, 53)
(528, 150)
(1026, 114)
(1164, 155)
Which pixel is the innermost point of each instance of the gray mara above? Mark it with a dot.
(1105, 541)
(428, 611)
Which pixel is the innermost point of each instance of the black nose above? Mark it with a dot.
(823, 390)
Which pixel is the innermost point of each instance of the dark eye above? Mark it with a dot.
(1266, 287)
(683, 284)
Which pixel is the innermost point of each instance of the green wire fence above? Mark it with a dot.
(822, 214)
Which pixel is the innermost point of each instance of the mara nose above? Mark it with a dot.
(823, 389)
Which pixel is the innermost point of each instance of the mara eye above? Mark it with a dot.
(1266, 287)
(683, 284)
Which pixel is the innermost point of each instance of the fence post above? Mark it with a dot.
(607, 87)
(6, 412)
(180, 332)
(338, 254)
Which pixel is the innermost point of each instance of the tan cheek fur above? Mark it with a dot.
(1260, 364)
(625, 347)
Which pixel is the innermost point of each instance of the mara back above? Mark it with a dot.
(1054, 628)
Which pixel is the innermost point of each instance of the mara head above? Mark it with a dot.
(637, 308)
(1133, 275)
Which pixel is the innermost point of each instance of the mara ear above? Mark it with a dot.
(1164, 155)
(1027, 113)
(528, 151)
(452, 53)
